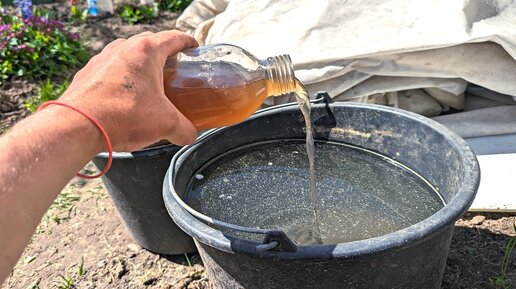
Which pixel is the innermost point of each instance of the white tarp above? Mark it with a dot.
(416, 55)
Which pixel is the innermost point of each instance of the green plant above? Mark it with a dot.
(132, 14)
(38, 48)
(65, 282)
(188, 260)
(80, 269)
(45, 13)
(28, 259)
(46, 91)
(78, 15)
(174, 5)
(65, 201)
(500, 281)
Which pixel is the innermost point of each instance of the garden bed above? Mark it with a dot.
(95, 33)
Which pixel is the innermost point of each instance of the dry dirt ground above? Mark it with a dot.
(82, 243)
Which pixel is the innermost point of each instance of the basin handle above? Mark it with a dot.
(322, 96)
(277, 241)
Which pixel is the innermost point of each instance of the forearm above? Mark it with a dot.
(122, 88)
(38, 156)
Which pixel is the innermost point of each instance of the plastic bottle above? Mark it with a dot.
(92, 7)
(100, 7)
(219, 85)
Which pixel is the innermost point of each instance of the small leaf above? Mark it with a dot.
(80, 269)
(28, 259)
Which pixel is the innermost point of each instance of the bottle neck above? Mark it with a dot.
(279, 75)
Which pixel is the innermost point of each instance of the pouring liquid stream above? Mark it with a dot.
(304, 105)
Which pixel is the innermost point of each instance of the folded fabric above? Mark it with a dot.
(416, 55)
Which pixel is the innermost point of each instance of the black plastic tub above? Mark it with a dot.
(413, 257)
(134, 183)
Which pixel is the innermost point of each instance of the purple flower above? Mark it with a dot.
(34, 21)
(74, 36)
(25, 7)
(5, 28)
(56, 23)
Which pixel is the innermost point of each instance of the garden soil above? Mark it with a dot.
(82, 242)
(83, 230)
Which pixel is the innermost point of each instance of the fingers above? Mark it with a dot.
(173, 41)
(114, 44)
(117, 42)
(180, 130)
(143, 34)
(162, 44)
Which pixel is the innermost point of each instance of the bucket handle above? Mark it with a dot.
(322, 96)
(274, 240)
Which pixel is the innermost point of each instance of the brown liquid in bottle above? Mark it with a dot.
(215, 100)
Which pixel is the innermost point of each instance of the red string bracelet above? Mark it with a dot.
(95, 122)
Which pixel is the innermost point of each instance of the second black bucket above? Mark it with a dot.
(412, 257)
(134, 183)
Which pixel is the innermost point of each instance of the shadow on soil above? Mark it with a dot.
(189, 259)
(475, 257)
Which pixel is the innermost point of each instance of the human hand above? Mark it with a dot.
(122, 87)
